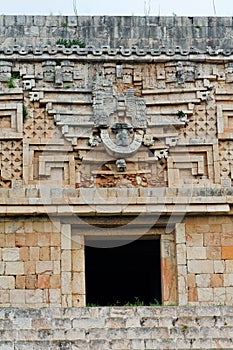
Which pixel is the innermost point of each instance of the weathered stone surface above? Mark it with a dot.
(177, 327)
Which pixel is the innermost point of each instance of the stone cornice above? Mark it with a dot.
(107, 52)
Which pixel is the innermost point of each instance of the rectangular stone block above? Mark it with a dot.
(194, 240)
(44, 267)
(214, 253)
(66, 283)
(180, 233)
(227, 238)
(20, 282)
(227, 253)
(229, 296)
(15, 268)
(66, 260)
(7, 282)
(196, 253)
(229, 266)
(17, 297)
(2, 268)
(203, 280)
(43, 281)
(10, 254)
(78, 283)
(212, 238)
(228, 279)
(200, 266)
(66, 237)
(30, 267)
(205, 294)
(55, 297)
(216, 280)
(220, 295)
(34, 297)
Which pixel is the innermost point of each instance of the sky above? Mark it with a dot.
(118, 7)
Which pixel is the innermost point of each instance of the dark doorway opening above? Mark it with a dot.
(127, 274)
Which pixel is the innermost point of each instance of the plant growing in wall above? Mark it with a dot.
(11, 82)
(70, 42)
(25, 112)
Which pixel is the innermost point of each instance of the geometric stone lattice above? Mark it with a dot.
(11, 158)
(40, 125)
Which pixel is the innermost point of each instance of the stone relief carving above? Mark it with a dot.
(130, 112)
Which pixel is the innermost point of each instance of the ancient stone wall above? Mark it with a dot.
(115, 31)
(128, 133)
(117, 328)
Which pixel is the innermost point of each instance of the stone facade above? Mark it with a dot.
(103, 136)
(117, 328)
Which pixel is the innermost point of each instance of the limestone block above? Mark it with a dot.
(180, 233)
(34, 296)
(44, 239)
(31, 282)
(229, 295)
(15, 268)
(20, 282)
(228, 279)
(2, 268)
(44, 254)
(229, 266)
(181, 254)
(55, 297)
(203, 280)
(213, 238)
(5, 297)
(200, 266)
(56, 267)
(66, 237)
(196, 253)
(194, 239)
(205, 294)
(216, 280)
(66, 287)
(227, 253)
(213, 253)
(23, 253)
(226, 237)
(17, 297)
(220, 266)
(7, 282)
(86, 323)
(191, 280)
(66, 260)
(78, 260)
(55, 253)
(44, 267)
(78, 283)
(220, 295)
(30, 267)
(55, 282)
(34, 253)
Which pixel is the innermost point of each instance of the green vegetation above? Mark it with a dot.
(11, 83)
(181, 114)
(15, 75)
(136, 302)
(69, 43)
(184, 328)
(25, 112)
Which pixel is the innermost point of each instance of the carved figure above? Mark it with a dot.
(121, 165)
